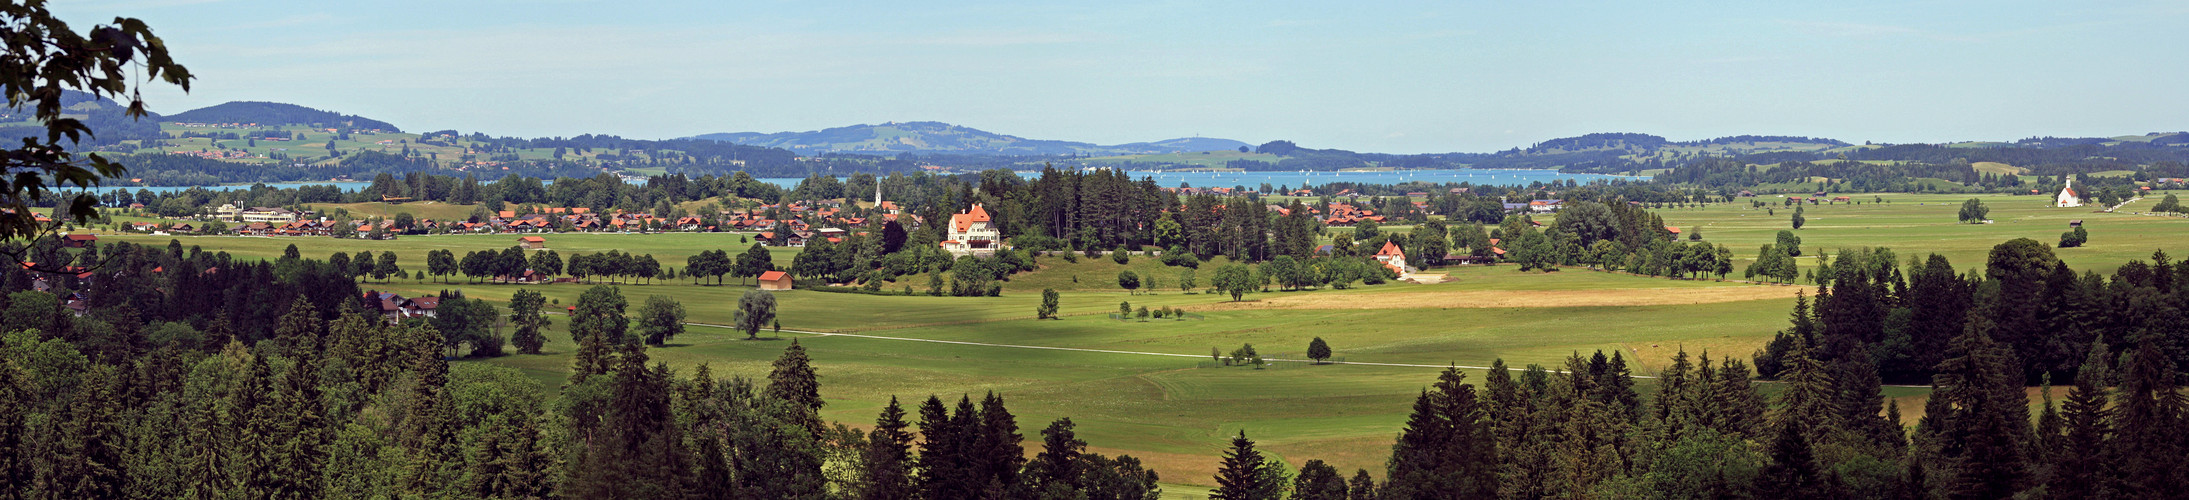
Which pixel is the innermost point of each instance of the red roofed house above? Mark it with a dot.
(775, 280)
(972, 233)
(81, 240)
(533, 242)
(1392, 257)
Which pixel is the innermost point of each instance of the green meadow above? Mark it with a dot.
(1147, 388)
(1916, 225)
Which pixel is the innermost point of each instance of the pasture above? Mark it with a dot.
(1142, 388)
(1917, 225)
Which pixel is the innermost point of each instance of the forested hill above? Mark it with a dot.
(937, 137)
(274, 113)
(108, 122)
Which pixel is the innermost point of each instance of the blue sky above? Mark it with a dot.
(1383, 77)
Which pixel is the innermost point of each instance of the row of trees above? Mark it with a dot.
(1902, 316)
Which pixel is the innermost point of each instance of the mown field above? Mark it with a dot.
(1915, 225)
(1170, 410)
(1151, 396)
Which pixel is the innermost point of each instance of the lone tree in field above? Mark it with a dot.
(661, 319)
(1128, 280)
(524, 312)
(1798, 219)
(754, 311)
(1048, 307)
(1234, 279)
(1318, 350)
(2075, 238)
(1974, 211)
(2171, 204)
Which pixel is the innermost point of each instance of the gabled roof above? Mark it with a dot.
(965, 220)
(532, 239)
(1390, 249)
(773, 275)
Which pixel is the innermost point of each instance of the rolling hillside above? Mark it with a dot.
(274, 113)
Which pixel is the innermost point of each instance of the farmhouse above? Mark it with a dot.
(1545, 206)
(972, 233)
(395, 308)
(775, 280)
(532, 242)
(81, 240)
(1392, 257)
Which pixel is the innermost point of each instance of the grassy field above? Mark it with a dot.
(1140, 387)
(1167, 409)
(423, 210)
(1915, 225)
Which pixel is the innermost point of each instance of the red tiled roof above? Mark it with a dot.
(1391, 249)
(773, 276)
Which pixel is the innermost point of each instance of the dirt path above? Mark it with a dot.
(1515, 298)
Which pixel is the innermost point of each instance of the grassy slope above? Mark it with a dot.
(423, 210)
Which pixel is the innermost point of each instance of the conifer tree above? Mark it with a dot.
(1736, 408)
(303, 432)
(251, 403)
(1985, 417)
(1447, 447)
(1810, 402)
(1615, 388)
(2147, 443)
(1243, 474)
(1362, 487)
(2078, 470)
(941, 465)
(15, 468)
(996, 448)
(1673, 395)
(794, 382)
(888, 471)
(1059, 471)
(426, 429)
(95, 469)
(1793, 472)
(300, 324)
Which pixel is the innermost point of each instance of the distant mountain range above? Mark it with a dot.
(937, 137)
(969, 148)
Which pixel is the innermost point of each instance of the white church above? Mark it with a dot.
(2067, 198)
